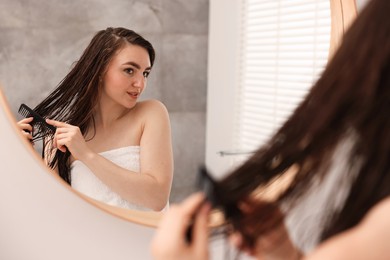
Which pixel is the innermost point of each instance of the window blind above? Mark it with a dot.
(284, 47)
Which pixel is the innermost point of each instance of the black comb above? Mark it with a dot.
(206, 184)
(40, 127)
(209, 186)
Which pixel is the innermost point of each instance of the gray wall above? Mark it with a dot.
(40, 40)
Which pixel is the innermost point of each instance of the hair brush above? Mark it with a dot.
(40, 127)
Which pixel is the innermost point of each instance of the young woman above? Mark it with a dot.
(341, 129)
(108, 144)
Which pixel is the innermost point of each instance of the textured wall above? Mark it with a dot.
(40, 40)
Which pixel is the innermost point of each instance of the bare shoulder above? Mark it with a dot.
(374, 229)
(379, 215)
(152, 106)
(368, 240)
(153, 112)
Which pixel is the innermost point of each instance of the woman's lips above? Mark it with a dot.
(133, 94)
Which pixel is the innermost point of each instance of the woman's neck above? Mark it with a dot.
(106, 116)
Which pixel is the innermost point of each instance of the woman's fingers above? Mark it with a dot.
(26, 127)
(62, 127)
(200, 232)
(56, 123)
(61, 145)
(63, 134)
(61, 139)
(26, 120)
(24, 124)
(69, 138)
(179, 217)
(192, 204)
(59, 136)
(189, 208)
(28, 135)
(185, 212)
(170, 239)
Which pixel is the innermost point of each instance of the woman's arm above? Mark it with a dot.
(368, 240)
(152, 187)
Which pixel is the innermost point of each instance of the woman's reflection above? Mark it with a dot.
(107, 144)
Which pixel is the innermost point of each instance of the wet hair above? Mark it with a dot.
(74, 99)
(350, 99)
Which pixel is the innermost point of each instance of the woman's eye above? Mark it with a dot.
(146, 74)
(129, 71)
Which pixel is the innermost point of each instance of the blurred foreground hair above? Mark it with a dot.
(350, 101)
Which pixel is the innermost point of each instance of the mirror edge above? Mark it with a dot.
(343, 12)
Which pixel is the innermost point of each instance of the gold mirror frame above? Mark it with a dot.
(343, 13)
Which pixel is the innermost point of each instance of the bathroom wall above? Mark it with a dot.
(41, 39)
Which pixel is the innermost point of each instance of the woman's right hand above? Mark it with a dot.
(26, 128)
(170, 241)
(69, 137)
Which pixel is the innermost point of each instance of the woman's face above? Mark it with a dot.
(126, 76)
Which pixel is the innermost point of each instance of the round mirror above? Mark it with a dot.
(37, 53)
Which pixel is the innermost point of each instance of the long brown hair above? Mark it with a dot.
(350, 99)
(76, 96)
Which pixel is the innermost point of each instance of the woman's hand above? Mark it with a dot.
(170, 239)
(26, 128)
(69, 137)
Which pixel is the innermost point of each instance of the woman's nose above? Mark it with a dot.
(139, 81)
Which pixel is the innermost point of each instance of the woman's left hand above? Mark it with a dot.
(170, 239)
(69, 137)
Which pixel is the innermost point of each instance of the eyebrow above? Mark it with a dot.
(132, 63)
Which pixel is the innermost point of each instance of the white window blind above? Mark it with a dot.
(284, 47)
